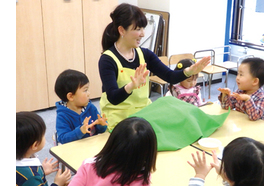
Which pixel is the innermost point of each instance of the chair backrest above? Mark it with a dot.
(164, 59)
(174, 59)
(202, 53)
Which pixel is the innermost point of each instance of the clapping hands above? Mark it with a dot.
(226, 91)
(201, 167)
(86, 128)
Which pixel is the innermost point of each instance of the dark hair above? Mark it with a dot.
(130, 152)
(124, 15)
(256, 68)
(69, 81)
(30, 128)
(181, 65)
(243, 162)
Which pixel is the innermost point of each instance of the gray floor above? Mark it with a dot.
(49, 116)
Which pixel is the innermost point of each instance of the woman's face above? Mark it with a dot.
(132, 37)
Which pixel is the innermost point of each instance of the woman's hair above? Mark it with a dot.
(181, 65)
(30, 128)
(243, 162)
(256, 68)
(130, 152)
(124, 15)
(69, 81)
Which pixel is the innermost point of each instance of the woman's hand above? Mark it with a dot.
(197, 67)
(200, 166)
(139, 78)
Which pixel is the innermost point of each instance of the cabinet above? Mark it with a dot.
(94, 25)
(63, 32)
(55, 35)
(31, 74)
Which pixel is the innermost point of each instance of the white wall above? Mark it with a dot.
(161, 5)
(196, 25)
(133, 2)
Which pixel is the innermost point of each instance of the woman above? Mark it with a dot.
(123, 66)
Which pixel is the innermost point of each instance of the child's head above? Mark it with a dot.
(30, 135)
(69, 82)
(191, 81)
(250, 74)
(243, 162)
(130, 152)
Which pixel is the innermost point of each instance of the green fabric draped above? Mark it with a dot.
(178, 124)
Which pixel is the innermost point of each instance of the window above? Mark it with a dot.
(248, 23)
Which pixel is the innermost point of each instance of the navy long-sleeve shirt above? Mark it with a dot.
(108, 71)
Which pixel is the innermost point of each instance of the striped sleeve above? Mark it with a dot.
(196, 182)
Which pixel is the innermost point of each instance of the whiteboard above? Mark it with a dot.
(149, 40)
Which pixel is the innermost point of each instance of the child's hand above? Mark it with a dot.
(244, 97)
(225, 91)
(62, 178)
(216, 162)
(86, 126)
(200, 166)
(101, 121)
(49, 167)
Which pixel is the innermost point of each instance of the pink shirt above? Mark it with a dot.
(86, 176)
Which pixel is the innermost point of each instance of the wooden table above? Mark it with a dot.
(172, 166)
(236, 125)
(74, 153)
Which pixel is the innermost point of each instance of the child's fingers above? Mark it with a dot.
(191, 164)
(194, 158)
(203, 157)
(198, 156)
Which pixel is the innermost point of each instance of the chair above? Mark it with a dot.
(155, 79)
(211, 69)
(226, 64)
(174, 59)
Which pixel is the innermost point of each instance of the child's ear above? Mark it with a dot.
(70, 96)
(256, 81)
(35, 145)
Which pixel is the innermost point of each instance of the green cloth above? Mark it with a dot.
(178, 124)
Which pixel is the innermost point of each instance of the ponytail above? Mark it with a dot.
(110, 36)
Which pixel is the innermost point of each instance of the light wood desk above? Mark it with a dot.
(74, 153)
(172, 166)
(236, 125)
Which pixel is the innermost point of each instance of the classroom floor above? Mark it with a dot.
(49, 116)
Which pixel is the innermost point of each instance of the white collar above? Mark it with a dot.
(28, 162)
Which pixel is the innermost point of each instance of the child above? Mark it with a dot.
(127, 158)
(242, 164)
(75, 110)
(186, 89)
(249, 98)
(30, 129)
